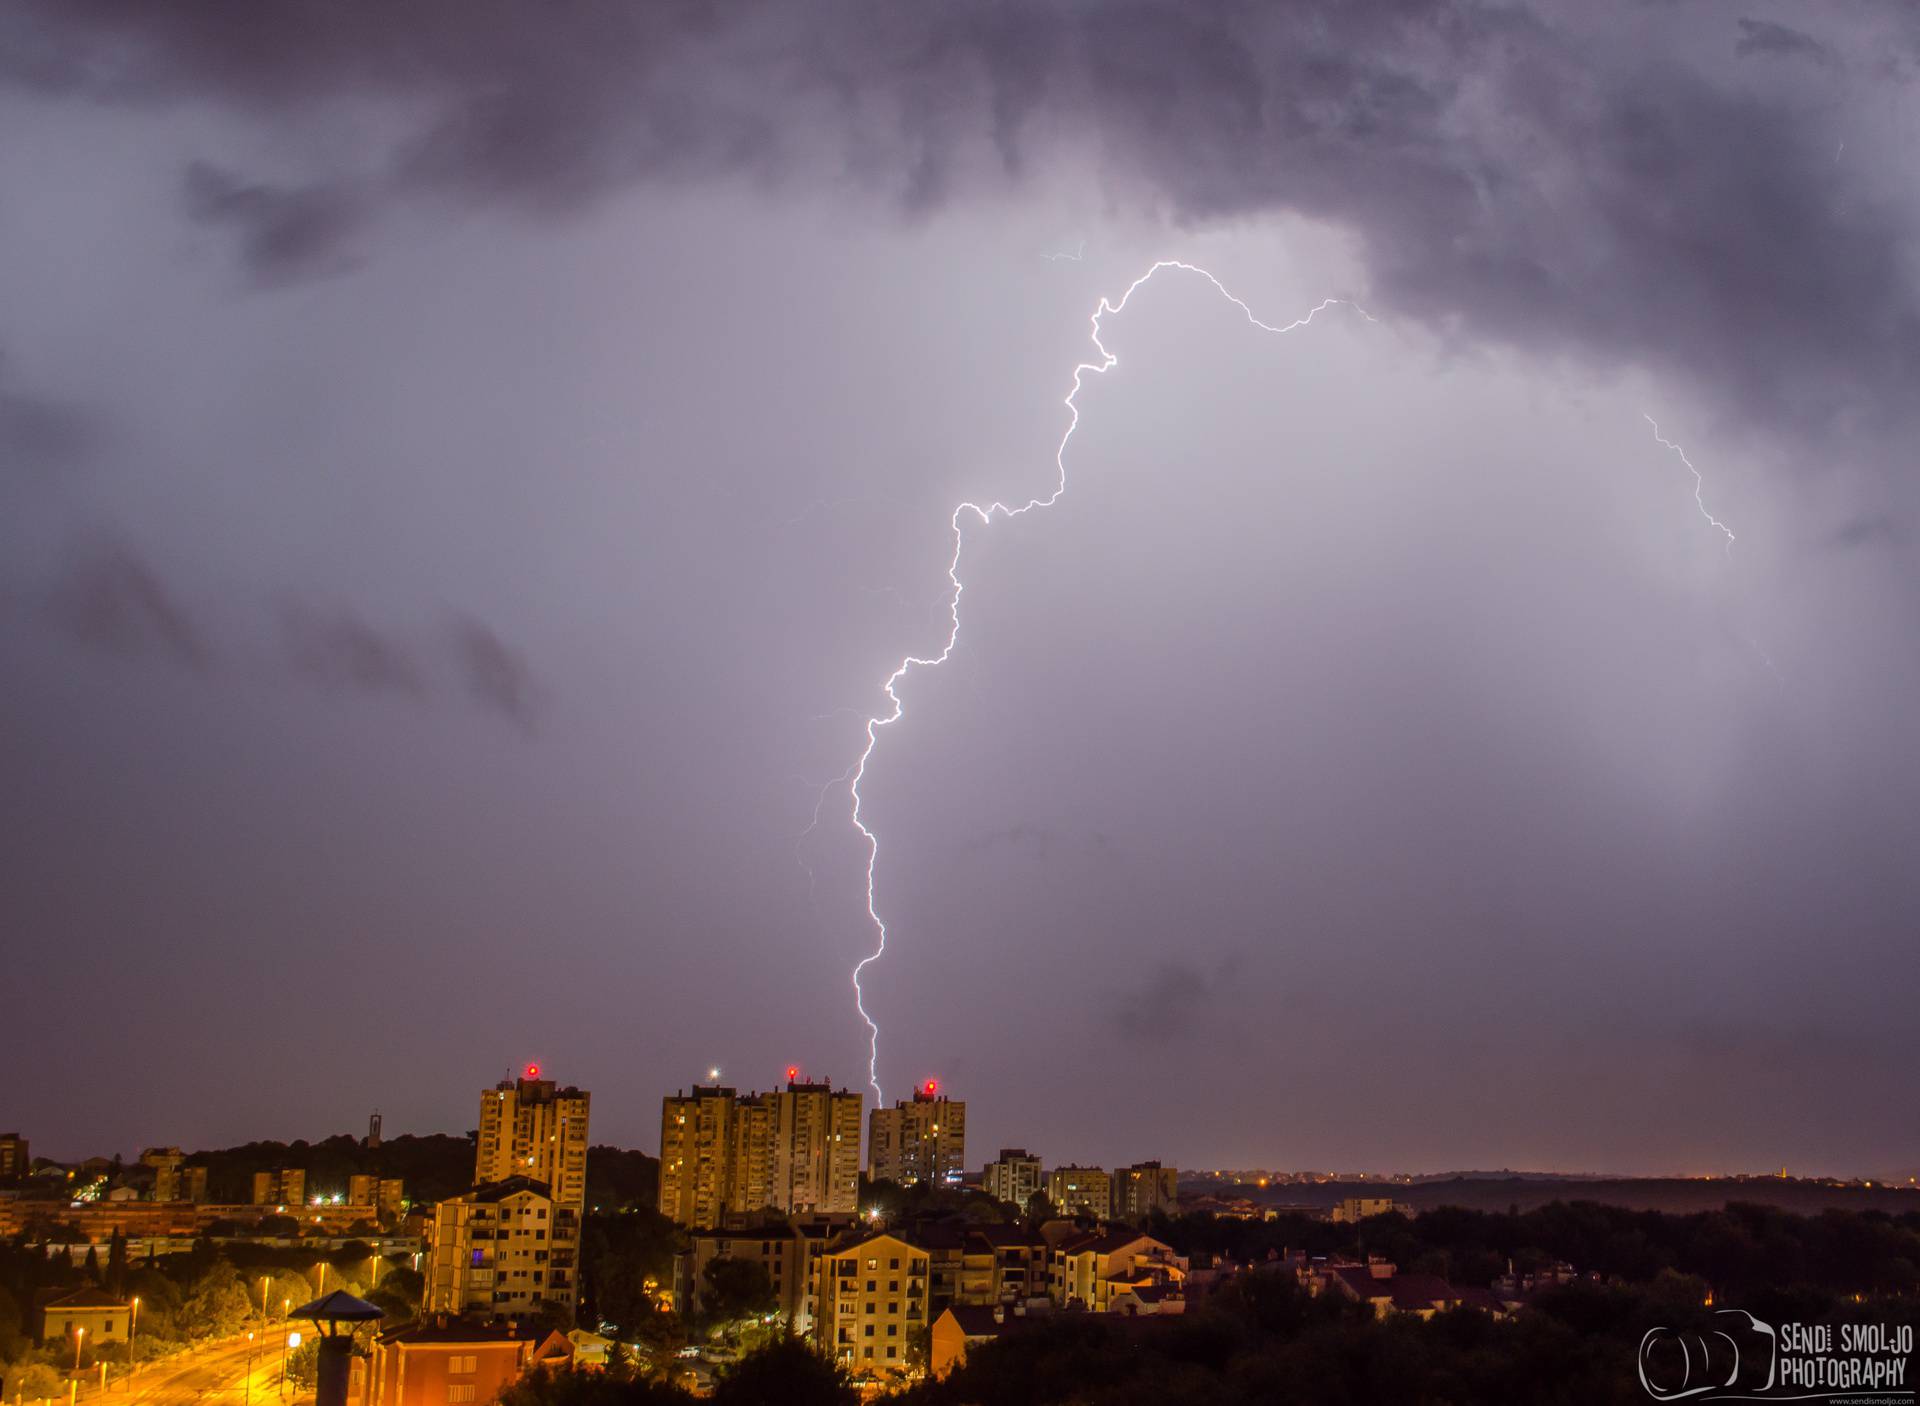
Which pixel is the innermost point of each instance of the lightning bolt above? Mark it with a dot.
(986, 514)
(1699, 484)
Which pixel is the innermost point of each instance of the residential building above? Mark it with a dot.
(726, 1157)
(14, 1162)
(1381, 1285)
(871, 1296)
(493, 1253)
(447, 1362)
(193, 1183)
(921, 1139)
(536, 1129)
(1357, 1208)
(100, 1317)
(786, 1252)
(166, 1163)
(1081, 1191)
(1091, 1270)
(387, 1195)
(1142, 1188)
(284, 1186)
(530, 1127)
(1013, 1177)
(963, 1326)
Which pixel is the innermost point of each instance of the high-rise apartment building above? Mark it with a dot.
(530, 1127)
(725, 1154)
(922, 1139)
(534, 1130)
(1144, 1187)
(1081, 1191)
(387, 1195)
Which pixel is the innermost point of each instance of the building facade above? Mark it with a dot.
(725, 1156)
(921, 1139)
(87, 1315)
(387, 1195)
(786, 1252)
(529, 1127)
(1081, 1191)
(1142, 1188)
(14, 1162)
(1013, 1177)
(871, 1300)
(454, 1363)
(493, 1253)
(166, 1164)
(284, 1186)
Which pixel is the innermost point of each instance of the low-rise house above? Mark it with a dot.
(94, 1316)
(1091, 1270)
(452, 1362)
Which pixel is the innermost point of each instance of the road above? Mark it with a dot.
(215, 1375)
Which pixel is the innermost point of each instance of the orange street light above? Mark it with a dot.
(79, 1336)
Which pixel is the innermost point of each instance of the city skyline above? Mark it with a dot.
(462, 518)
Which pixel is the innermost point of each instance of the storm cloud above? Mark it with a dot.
(535, 436)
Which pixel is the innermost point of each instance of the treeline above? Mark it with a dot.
(1263, 1341)
(1737, 1249)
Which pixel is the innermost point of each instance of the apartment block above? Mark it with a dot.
(921, 1139)
(1013, 1177)
(1081, 1191)
(166, 1164)
(284, 1186)
(871, 1298)
(727, 1157)
(530, 1127)
(491, 1252)
(1142, 1188)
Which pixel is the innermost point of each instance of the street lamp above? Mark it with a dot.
(79, 1336)
(133, 1335)
(249, 1396)
(292, 1341)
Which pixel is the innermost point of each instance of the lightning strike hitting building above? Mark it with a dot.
(986, 514)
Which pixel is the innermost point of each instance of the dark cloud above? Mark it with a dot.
(341, 651)
(496, 676)
(1879, 530)
(1771, 40)
(286, 234)
(1503, 172)
(110, 598)
(39, 436)
(1170, 1002)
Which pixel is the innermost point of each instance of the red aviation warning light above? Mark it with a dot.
(793, 1073)
(933, 1087)
(533, 1071)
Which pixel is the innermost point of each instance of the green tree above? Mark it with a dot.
(735, 1289)
(786, 1372)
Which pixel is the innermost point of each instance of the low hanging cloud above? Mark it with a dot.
(496, 675)
(285, 234)
(110, 598)
(340, 651)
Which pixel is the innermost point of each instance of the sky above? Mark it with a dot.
(467, 471)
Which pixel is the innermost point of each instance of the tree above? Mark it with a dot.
(117, 1263)
(786, 1372)
(1039, 1208)
(736, 1289)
